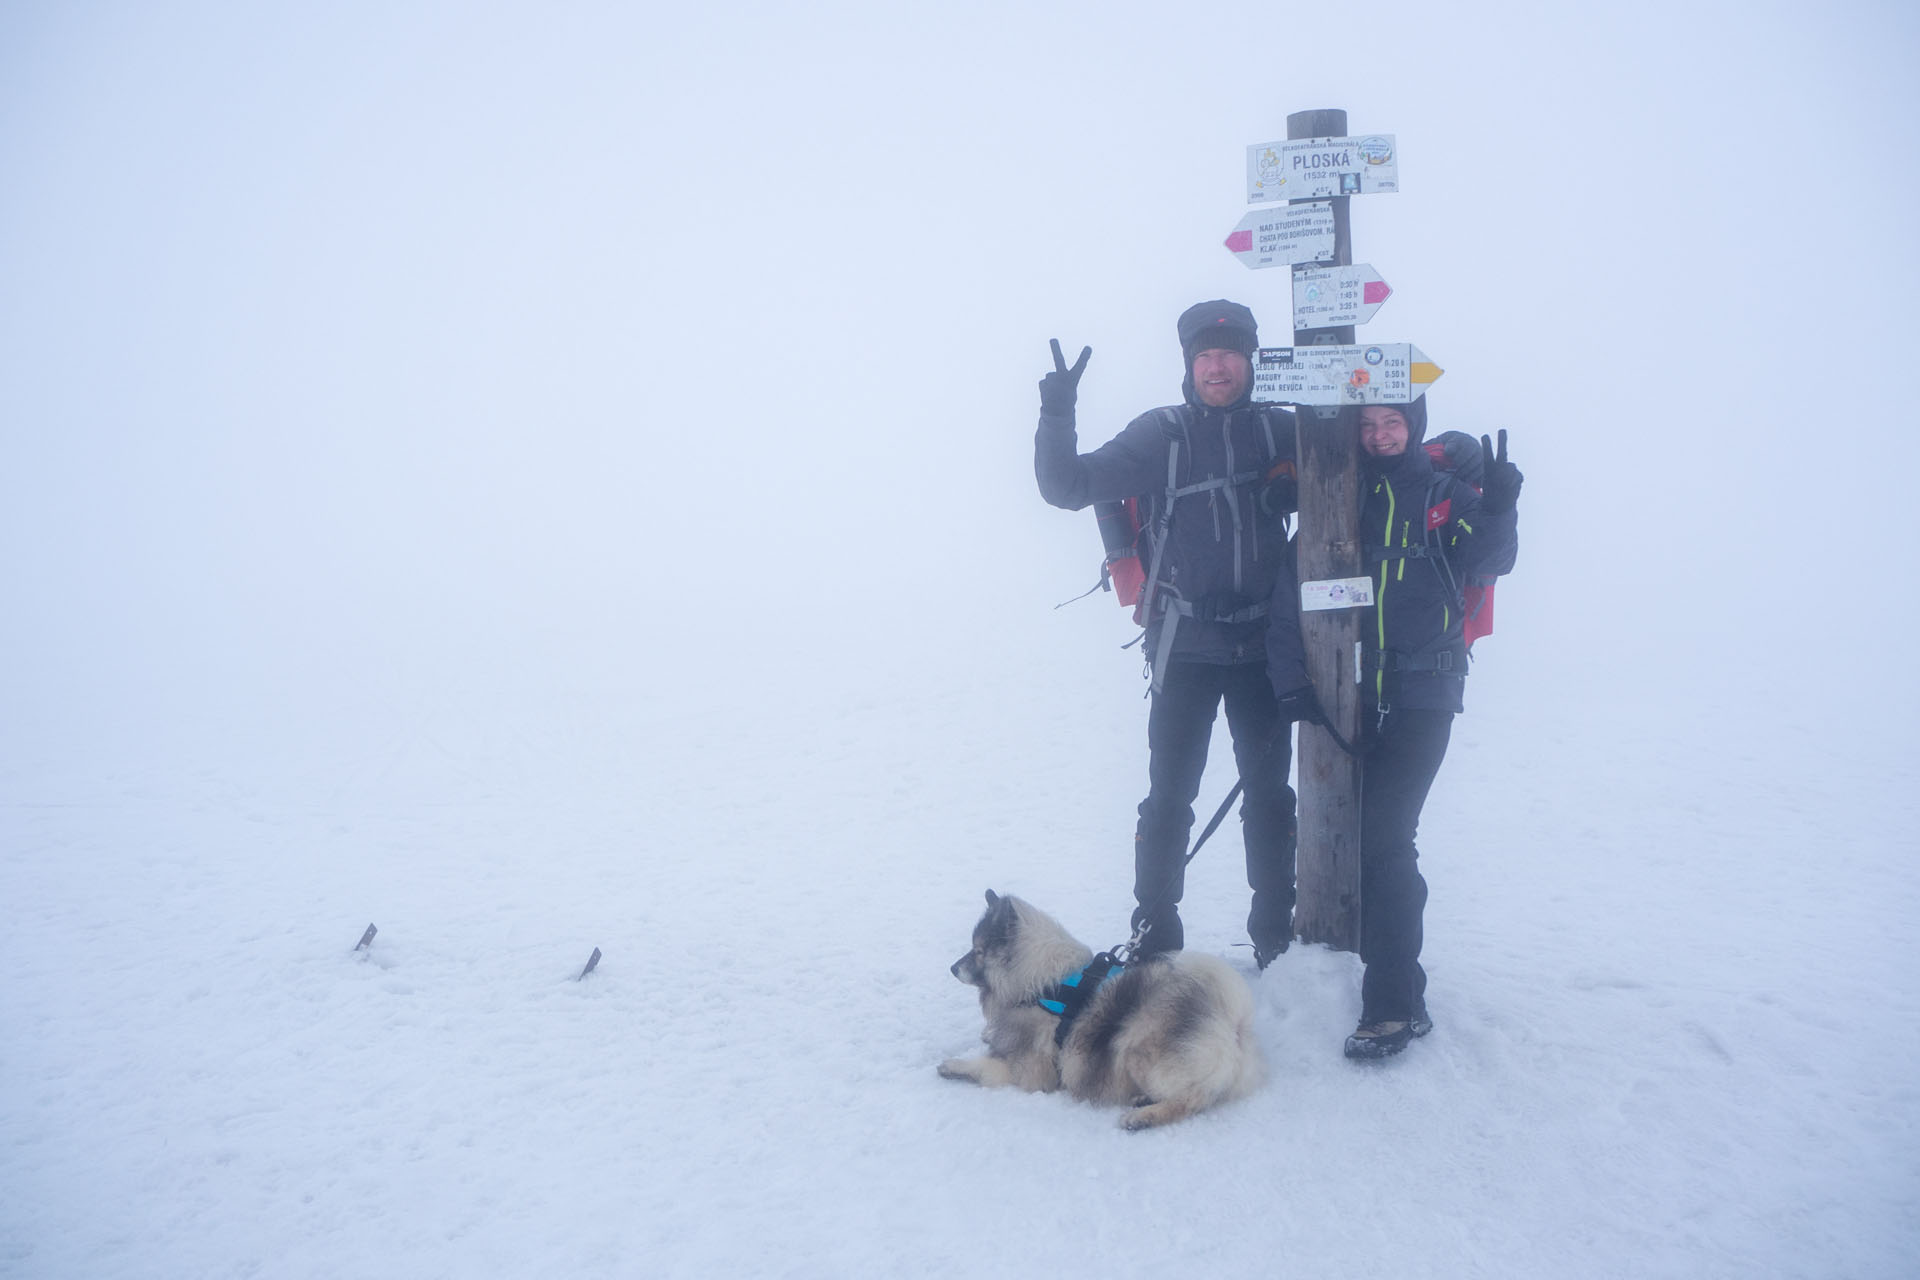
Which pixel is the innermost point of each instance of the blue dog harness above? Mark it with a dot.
(1070, 995)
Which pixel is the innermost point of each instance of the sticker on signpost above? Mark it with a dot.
(1335, 593)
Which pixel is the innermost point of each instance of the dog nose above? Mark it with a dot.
(954, 968)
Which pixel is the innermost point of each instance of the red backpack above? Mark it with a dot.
(1458, 452)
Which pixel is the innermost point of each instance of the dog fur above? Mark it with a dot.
(1167, 1036)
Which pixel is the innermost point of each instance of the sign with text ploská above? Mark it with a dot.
(1381, 373)
(1328, 297)
(1282, 237)
(1316, 168)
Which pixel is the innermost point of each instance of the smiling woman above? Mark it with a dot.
(1383, 430)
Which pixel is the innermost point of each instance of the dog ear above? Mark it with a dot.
(993, 899)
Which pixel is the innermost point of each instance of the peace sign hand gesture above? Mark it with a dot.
(1503, 479)
(1059, 389)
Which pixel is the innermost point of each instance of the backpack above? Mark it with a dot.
(1125, 533)
(1121, 571)
(1460, 453)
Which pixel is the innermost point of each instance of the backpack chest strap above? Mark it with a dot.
(1388, 660)
(1418, 551)
(1234, 481)
(1188, 609)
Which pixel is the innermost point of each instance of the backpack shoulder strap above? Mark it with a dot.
(1267, 415)
(1163, 521)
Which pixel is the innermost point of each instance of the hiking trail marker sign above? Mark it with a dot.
(1284, 236)
(1326, 297)
(1380, 373)
(1318, 168)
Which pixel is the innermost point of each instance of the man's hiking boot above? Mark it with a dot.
(1420, 1023)
(1270, 925)
(1167, 933)
(1263, 954)
(1374, 1040)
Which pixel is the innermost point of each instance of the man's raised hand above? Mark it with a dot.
(1059, 389)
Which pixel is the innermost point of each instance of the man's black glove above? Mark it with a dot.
(1302, 704)
(1503, 479)
(1059, 389)
(1280, 495)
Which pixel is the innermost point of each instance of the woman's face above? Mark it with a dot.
(1383, 431)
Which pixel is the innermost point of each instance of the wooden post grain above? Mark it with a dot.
(1328, 909)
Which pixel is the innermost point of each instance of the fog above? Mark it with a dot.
(549, 368)
(551, 478)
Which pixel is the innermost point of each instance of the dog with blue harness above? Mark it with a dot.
(1165, 1036)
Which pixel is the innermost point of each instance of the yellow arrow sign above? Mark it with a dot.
(1362, 373)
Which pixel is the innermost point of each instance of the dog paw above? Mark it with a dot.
(1151, 1115)
(957, 1069)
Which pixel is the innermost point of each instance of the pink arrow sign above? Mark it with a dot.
(1285, 235)
(1328, 297)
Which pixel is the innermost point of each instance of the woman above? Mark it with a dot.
(1426, 533)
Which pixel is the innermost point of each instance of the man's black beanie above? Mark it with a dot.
(1222, 324)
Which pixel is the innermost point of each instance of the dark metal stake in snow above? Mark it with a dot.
(366, 939)
(592, 960)
(1329, 547)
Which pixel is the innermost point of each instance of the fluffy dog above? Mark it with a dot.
(1169, 1035)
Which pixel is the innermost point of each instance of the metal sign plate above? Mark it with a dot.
(1327, 297)
(1316, 168)
(1284, 236)
(1379, 373)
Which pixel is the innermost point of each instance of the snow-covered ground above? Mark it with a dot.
(1676, 1015)
(538, 484)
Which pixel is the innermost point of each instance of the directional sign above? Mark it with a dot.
(1315, 168)
(1282, 237)
(1327, 297)
(1386, 373)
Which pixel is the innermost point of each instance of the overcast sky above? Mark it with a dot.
(370, 354)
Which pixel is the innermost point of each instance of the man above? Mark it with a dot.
(1214, 475)
(1426, 533)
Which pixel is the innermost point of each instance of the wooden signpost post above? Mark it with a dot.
(1325, 374)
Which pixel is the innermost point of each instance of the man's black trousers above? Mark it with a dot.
(1399, 771)
(1179, 728)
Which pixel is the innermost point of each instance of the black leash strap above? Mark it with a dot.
(1339, 741)
(1219, 816)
